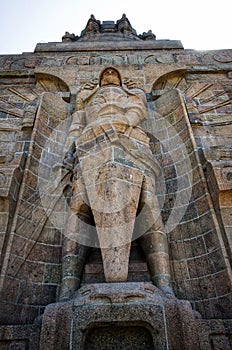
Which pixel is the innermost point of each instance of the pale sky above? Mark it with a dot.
(199, 24)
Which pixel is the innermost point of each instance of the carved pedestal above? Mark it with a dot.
(119, 316)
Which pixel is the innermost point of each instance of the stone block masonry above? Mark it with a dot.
(164, 137)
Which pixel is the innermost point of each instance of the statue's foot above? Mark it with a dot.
(163, 283)
(68, 288)
(66, 295)
(167, 290)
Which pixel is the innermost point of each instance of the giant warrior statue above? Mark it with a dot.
(114, 185)
(114, 196)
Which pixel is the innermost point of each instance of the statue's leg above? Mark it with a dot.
(154, 240)
(73, 252)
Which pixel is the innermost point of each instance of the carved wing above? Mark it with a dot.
(169, 131)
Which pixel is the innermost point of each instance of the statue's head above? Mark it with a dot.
(110, 76)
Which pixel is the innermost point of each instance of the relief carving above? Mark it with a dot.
(223, 56)
(114, 180)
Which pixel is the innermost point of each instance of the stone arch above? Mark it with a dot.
(50, 83)
(168, 81)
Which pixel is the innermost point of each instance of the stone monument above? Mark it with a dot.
(115, 193)
(114, 174)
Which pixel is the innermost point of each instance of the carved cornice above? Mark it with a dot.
(109, 46)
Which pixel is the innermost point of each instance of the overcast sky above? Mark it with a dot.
(199, 24)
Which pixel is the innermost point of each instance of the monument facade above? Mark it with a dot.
(115, 193)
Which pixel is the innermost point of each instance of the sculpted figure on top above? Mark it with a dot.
(97, 31)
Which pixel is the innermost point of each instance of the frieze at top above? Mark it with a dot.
(108, 30)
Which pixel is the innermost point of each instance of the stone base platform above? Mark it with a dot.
(20, 337)
(125, 316)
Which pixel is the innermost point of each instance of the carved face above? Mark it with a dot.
(110, 77)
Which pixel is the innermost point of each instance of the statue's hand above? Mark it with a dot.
(68, 162)
(61, 170)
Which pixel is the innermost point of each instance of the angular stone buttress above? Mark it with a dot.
(115, 194)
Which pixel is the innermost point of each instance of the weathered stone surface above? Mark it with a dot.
(188, 112)
(114, 179)
(19, 337)
(124, 306)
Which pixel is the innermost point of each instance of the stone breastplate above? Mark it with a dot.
(113, 104)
